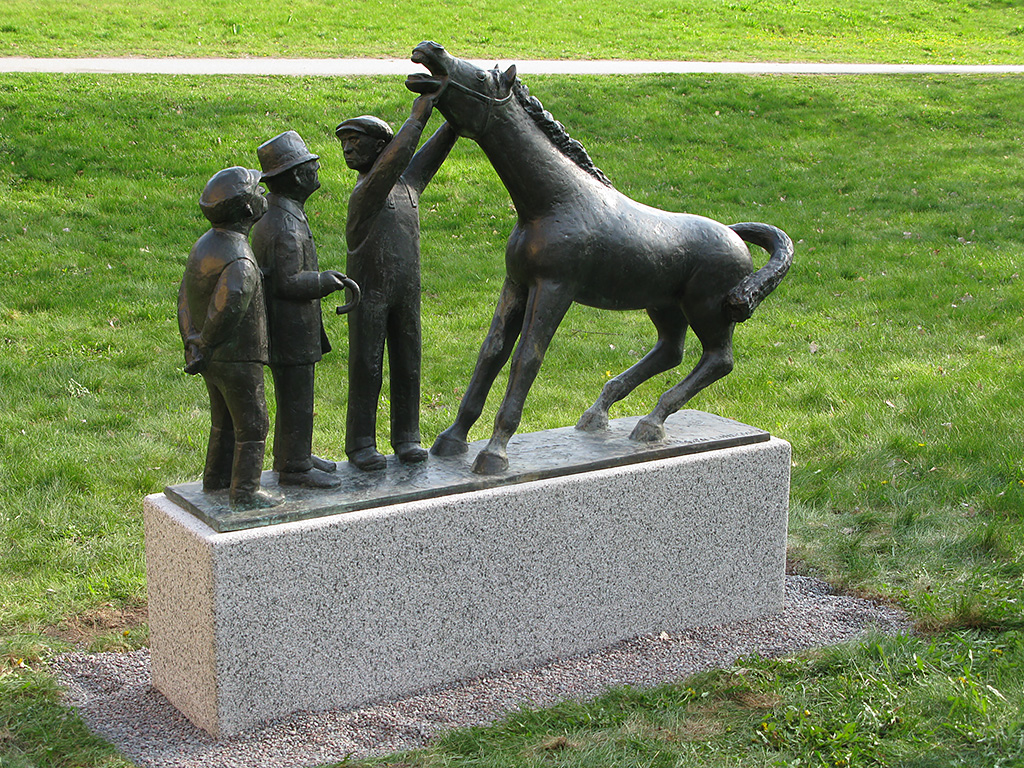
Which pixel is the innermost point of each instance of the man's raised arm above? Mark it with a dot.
(430, 157)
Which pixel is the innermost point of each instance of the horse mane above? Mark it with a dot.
(556, 132)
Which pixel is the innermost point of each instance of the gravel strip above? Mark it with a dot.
(113, 694)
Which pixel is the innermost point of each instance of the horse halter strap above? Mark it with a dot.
(490, 101)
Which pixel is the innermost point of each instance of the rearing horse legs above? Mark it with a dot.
(715, 334)
(494, 353)
(667, 353)
(546, 306)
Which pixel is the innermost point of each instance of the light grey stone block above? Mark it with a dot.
(336, 611)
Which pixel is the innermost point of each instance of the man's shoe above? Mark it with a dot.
(410, 453)
(367, 459)
(324, 465)
(311, 478)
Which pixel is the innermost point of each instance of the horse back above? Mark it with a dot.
(615, 253)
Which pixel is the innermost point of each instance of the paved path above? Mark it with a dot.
(266, 66)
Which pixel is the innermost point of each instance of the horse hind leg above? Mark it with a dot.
(546, 306)
(494, 353)
(667, 353)
(716, 361)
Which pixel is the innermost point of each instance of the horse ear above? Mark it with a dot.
(509, 77)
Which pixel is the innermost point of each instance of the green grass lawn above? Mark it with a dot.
(889, 358)
(931, 31)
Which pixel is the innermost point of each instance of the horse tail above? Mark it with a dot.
(741, 301)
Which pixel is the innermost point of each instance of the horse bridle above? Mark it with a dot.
(490, 101)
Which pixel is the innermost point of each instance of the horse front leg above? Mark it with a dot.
(667, 353)
(494, 353)
(546, 306)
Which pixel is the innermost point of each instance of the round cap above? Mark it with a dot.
(368, 124)
(228, 184)
(283, 152)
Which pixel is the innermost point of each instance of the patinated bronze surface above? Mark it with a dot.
(383, 234)
(578, 239)
(223, 324)
(552, 453)
(284, 248)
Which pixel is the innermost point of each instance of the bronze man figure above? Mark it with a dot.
(223, 323)
(284, 248)
(383, 234)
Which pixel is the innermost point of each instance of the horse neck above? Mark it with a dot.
(535, 173)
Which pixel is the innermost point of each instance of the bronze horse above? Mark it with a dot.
(579, 239)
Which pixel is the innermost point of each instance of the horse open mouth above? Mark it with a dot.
(431, 55)
(421, 83)
(427, 54)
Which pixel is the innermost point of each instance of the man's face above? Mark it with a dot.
(259, 204)
(361, 150)
(306, 176)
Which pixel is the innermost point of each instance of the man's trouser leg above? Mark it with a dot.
(220, 448)
(241, 386)
(366, 329)
(245, 474)
(293, 426)
(404, 362)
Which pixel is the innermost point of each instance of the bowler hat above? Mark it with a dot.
(283, 152)
(368, 124)
(228, 184)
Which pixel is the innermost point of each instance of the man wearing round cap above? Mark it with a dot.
(294, 285)
(223, 323)
(383, 235)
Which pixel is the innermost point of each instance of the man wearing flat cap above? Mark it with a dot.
(294, 285)
(223, 324)
(383, 235)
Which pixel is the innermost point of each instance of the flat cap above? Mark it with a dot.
(284, 151)
(368, 124)
(227, 185)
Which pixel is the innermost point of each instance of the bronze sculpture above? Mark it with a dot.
(222, 319)
(286, 253)
(579, 239)
(383, 237)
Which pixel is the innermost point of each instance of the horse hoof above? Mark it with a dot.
(445, 445)
(592, 421)
(647, 432)
(488, 463)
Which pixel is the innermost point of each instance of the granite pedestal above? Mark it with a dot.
(334, 609)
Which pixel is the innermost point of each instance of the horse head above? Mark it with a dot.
(471, 94)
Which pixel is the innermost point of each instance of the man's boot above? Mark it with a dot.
(368, 459)
(245, 477)
(410, 452)
(310, 478)
(324, 465)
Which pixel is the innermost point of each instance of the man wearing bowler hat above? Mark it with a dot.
(383, 234)
(284, 247)
(223, 324)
